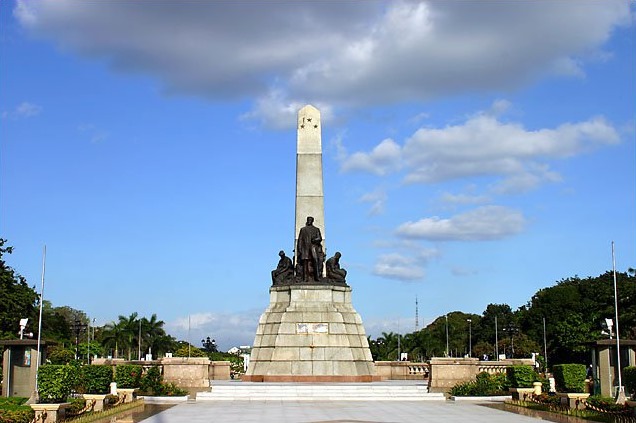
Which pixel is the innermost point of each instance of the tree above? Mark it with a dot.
(17, 299)
(113, 337)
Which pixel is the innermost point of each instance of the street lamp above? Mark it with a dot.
(470, 337)
(512, 330)
(447, 351)
(78, 327)
(209, 345)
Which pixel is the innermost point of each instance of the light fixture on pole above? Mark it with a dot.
(496, 339)
(139, 343)
(447, 351)
(23, 323)
(470, 337)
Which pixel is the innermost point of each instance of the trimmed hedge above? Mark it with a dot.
(18, 415)
(484, 385)
(569, 377)
(128, 375)
(521, 376)
(629, 375)
(95, 379)
(56, 381)
(12, 410)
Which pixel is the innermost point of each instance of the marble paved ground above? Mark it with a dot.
(334, 412)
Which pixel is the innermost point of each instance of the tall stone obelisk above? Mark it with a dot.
(309, 192)
(310, 331)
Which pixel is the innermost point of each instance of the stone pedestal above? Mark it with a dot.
(310, 333)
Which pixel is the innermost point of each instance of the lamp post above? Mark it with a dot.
(209, 345)
(496, 339)
(447, 351)
(78, 327)
(139, 343)
(470, 337)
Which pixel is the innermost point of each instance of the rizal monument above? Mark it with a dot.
(310, 331)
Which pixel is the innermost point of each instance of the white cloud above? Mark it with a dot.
(397, 266)
(483, 145)
(384, 158)
(463, 199)
(338, 53)
(23, 110)
(482, 223)
(377, 199)
(228, 329)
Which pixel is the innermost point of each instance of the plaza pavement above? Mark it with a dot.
(277, 411)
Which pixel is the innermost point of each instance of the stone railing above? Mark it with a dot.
(401, 370)
(194, 372)
(446, 372)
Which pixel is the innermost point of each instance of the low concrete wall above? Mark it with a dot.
(401, 370)
(187, 372)
(193, 372)
(219, 370)
(446, 372)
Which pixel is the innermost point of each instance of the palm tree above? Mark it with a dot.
(153, 334)
(130, 327)
(388, 346)
(113, 336)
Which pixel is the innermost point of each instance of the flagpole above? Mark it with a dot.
(620, 398)
(37, 362)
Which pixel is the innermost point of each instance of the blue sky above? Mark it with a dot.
(473, 152)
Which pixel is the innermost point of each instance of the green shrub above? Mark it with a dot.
(171, 390)
(547, 399)
(629, 375)
(60, 355)
(19, 414)
(521, 376)
(151, 382)
(95, 379)
(570, 377)
(55, 382)
(77, 404)
(605, 403)
(484, 385)
(8, 402)
(128, 375)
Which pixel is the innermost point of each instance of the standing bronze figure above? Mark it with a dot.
(309, 251)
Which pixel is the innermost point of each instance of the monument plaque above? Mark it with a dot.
(310, 331)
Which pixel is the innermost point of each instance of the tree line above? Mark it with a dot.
(567, 316)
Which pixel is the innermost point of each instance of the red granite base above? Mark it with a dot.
(309, 379)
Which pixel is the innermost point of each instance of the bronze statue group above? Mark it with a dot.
(310, 258)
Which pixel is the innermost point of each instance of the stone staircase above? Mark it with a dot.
(376, 391)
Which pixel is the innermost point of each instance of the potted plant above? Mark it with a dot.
(128, 379)
(522, 380)
(570, 383)
(55, 383)
(94, 384)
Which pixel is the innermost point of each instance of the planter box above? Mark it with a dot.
(100, 400)
(521, 394)
(129, 393)
(572, 399)
(49, 413)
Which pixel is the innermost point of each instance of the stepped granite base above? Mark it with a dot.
(310, 333)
